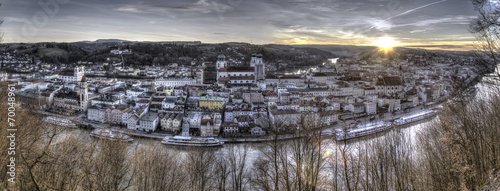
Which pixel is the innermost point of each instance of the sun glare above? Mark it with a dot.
(385, 44)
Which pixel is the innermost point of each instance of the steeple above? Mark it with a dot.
(84, 79)
(84, 95)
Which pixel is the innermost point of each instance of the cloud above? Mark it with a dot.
(465, 47)
(457, 20)
(15, 19)
(415, 9)
(261, 21)
(420, 31)
(201, 6)
(130, 9)
(381, 25)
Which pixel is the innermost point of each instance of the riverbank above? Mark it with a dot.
(328, 131)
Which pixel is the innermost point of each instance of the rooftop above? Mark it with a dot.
(211, 98)
(389, 81)
(149, 116)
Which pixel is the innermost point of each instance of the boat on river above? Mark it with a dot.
(363, 130)
(110, 135)
(191, 141)
(415, 117)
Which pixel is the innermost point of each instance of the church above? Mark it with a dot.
(72, 100)
(75, 75)
(240, 75)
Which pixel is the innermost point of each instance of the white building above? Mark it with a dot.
(174, 82)
(72, 76)
(257, 131)
(97, 113)
(148, 122)
(285, 117)
(132, 122)
(206, 128)
(371, 108)
(260, 69)
(388, 86)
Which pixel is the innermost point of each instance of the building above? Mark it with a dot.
(258, 64)
(166, 122)
(107, 99)
(328, 117)
(176, 123)
(98, 113)
(319, 77)
(221, 61)
(358, 108)
(194, 120)
(210, 75)
(236, 73)
(132, 122)
(116, 115)
(174, 82)
(169, 102)
(185, 129)
(148, 122)
(370, 108)
(388, 86)
(253, 97)
(70, 100)
(129, 112)
(206, 129)
(134, 92)
(74, 75)
(211, 102)
(84, 94)
(257, 131)
(241, 75)
(285, 117)
(67, 100)
(231, 129)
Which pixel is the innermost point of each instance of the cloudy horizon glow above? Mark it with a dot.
(433, 24)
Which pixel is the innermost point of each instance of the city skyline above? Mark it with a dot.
(420, 24)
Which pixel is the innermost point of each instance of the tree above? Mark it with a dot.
(296, 164)
(199, 168)
(237, 161)
(487, 30)
(157, 169)
(1, 21)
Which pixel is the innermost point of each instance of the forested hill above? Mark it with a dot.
(163, 53)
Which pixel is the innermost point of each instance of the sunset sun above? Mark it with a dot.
(385, 44)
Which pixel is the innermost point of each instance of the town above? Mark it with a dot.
(232, 97)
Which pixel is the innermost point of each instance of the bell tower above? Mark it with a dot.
(84, 94)
(221, 61)
(260, 69)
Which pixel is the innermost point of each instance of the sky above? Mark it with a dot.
(433, 24)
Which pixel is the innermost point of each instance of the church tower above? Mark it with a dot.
(221, 61)
(260, 69)
(252, 61)
(79, 71)
(84, 94)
